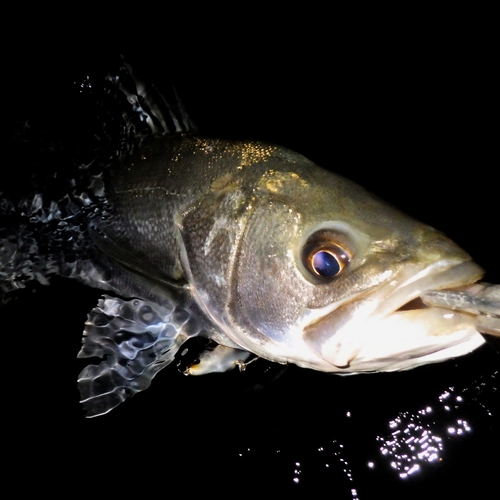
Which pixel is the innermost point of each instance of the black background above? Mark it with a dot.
(410, 118)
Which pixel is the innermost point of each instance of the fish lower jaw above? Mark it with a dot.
(407, 339)
(465, 344)
(402, 341)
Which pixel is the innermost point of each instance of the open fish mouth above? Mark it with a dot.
(398, 327)
(441, 275)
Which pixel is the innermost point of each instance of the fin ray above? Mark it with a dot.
(136, 339)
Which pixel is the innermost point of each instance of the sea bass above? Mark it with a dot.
(246, 243)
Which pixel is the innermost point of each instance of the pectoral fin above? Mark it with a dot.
(136, 339)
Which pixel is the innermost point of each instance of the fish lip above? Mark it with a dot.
(444, 274)
(345, 345)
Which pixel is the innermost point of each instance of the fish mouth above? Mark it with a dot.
(438, 276)
(393, 329)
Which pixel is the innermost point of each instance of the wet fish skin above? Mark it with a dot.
(217, 237)
(205, 236)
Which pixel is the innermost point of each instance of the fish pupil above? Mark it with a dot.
(325, 264)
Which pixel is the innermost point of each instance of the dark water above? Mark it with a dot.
(427, 432)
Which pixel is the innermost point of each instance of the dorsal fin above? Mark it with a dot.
(164, 114)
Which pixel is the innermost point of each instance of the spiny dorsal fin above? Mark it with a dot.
(164, 114)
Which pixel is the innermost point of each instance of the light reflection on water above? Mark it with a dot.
(411, 443)
(330, 457)
(417, 440)
(426, 439)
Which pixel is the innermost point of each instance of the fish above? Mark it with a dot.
(245, 243)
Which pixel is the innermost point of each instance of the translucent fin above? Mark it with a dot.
(163, 114)
(136, 339)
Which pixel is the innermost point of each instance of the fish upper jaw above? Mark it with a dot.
(389, 329)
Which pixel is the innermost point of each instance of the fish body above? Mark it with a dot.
(254, 247)
(246, 214)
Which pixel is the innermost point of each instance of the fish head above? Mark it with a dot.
(297, 264)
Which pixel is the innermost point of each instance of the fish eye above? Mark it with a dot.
(323, 257)
(326, 264)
